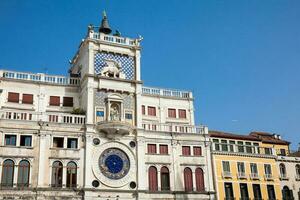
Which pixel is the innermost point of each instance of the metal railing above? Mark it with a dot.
(40, 77)
(241, 175)
(226, 174)
(46, 117)
(166, 92)
(175, 128)
(268, 176)
(254, 176)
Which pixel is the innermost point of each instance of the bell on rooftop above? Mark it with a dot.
(104, 28)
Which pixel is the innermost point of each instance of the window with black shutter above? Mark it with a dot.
(68, 101)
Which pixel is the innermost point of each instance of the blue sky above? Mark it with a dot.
(240, 58)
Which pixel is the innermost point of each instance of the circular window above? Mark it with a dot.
(114, 163)
(95, 183)
(132, 185)
(96, 141)
(132, 144)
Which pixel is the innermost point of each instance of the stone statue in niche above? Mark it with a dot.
(114, 112)
(112, 69)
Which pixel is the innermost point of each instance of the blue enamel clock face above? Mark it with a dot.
(114, 163)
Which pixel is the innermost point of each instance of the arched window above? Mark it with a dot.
(152, 178)
(57, 170)
(282, 170)
(199, 179)
(8, 173)
(165, 178)
(71, 174)
(298, 171)
(287, 194)
(23, 173)
(188, 179)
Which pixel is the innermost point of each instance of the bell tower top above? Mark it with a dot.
(104, 28)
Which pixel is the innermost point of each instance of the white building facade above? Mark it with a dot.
(289, 168)
(100, 134)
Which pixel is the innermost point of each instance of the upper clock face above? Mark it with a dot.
(114, 163)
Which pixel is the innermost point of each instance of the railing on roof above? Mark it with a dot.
(114, 39)
(40, 77)
(45, 117)
(174, 128)
(166, 92)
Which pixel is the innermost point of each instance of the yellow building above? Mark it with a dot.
(245, 165)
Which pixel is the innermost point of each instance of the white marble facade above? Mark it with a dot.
(105, 132)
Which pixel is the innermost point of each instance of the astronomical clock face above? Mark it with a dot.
(114, 163)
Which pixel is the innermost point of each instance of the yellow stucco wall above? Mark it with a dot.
(233, 159)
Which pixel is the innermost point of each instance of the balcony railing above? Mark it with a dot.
(226, 174)
(268, 177)
(175, 128)
(114, 39)
(283, 177)
(46, 117)
(40, 77)
(254, 176)
(241, 175)
(166, 92)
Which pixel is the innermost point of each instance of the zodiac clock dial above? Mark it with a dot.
(114, 163)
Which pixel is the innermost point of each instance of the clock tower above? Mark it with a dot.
(109, 69)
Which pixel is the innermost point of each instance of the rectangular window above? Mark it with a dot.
(241, 147)
(186, 150)
(151, 111)
(11, 140)
(13, 97)
(143, 110)
(197, 151)
(226, 166)
(58, 142)
(253, 168)
(268, 151)
(282, 152)
(248, 147)
(224, 145)
(72, 143)
(241, 167)
(257, 150)
(100, 113)
(271, 192)
(68, 101)
(231, 146)
(216, 144)
(163, 149)
(257, 192)
(151, 148)
(182, 113)
(244, 191)
(228, 191)
(128, 116)
(25, 140)
(54, 101)
(27, 99)
(268, 169)
(171, 113)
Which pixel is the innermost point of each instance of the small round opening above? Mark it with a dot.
(132, 144)
(132, 185)
(96, 141)
(95, 183)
